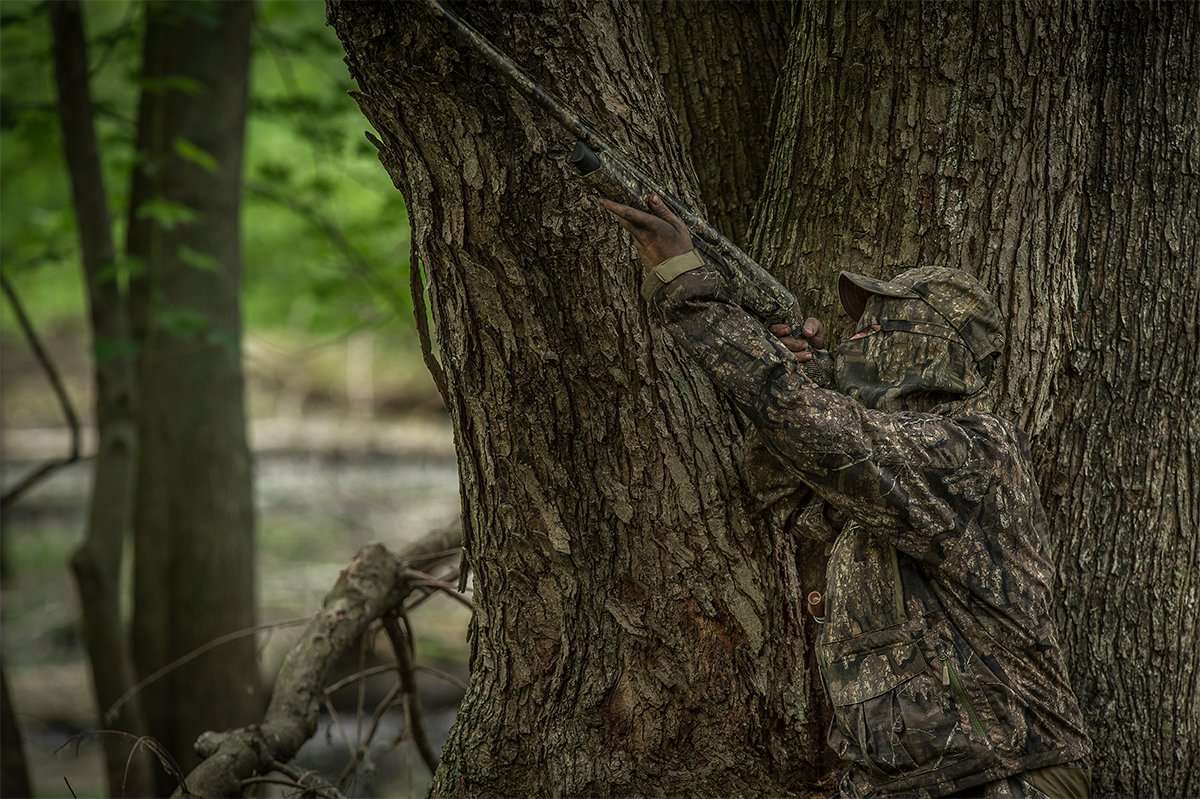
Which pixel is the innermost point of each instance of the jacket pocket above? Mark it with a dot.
(892, 714)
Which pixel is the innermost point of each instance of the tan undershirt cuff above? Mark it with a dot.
(668, 270)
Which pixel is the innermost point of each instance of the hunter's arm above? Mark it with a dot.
(882, 469)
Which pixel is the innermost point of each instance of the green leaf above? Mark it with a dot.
(122, 269)
(222, 339)
(275, 171)
(181, 322)
(196, 154)
(109, 349)
(171, 83)
(167, 213)
(197, 259)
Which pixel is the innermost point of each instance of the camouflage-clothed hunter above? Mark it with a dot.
(939, 651)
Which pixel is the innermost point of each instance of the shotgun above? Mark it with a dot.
(612, 174)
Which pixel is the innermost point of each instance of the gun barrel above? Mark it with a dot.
(618, 178)
(504, 65)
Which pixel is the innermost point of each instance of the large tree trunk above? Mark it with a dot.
(1120, 457)
(995, 138)
(195, 556)
(720, 61)
(634, 633)
(97, 561)
(1050, 150)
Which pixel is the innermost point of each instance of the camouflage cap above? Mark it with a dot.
(956, 296)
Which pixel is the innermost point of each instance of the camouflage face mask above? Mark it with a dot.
(913, 361)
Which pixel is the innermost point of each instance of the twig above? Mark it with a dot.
(445, 675)
(356, 676)
(419, 578)
(350, 771)
(69, 788)
(335, 722)
(409, 684)
(364, 745)
(416, 603)
(39, 352)
(190, 656)
(165, 760)
(434, 556)
(421, 316)
(275, 781)
(311, 779)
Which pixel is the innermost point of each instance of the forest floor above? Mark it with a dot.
(331, 475)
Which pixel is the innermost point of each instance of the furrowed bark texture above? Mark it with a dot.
(97, 562)
(1121, 458)
(194, 557)
(719, 63)
(634, 634)
(1051, 150)
(915, 135)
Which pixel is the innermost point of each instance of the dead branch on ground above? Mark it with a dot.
(371, 589)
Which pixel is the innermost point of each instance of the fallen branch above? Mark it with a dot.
(367, 589)
(372, 587)
(412, 701)
(183, 660)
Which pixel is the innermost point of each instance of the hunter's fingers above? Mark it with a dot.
(638, 219)
(794, 344)
(814, 331)
(661, 209)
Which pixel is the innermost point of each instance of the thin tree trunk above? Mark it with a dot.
(14, 769)
(97, 562)
(195, 557)
(635, 634)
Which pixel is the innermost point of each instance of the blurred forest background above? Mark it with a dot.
(349, 437)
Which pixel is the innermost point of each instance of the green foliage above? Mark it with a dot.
(325, 235)
(197, 155)
(167, 214)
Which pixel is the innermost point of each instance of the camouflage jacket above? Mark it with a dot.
(940, 653)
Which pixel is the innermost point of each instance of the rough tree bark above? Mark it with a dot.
(719, 63)
(631, 622)
(1120, 456)
(1048, 148)
(194, 541)
(1051, 150)
(97, 562)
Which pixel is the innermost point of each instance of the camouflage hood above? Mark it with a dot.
(938, 338)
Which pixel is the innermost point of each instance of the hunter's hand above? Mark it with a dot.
(658, 236)
(803, 340)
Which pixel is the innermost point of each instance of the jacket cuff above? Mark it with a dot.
(668, 270)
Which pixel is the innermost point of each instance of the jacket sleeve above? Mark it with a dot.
(919, 475)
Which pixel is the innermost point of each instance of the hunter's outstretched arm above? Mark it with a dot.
(882, 469)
